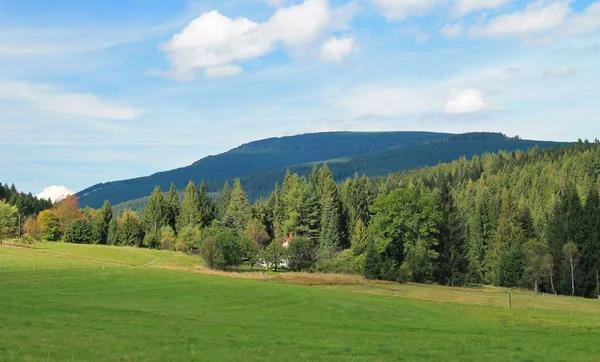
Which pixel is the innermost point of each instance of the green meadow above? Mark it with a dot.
(66, 302)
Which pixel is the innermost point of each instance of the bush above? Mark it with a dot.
(275, 255)
(167, 238)
(151, 240)
(80, 232)
(211, 254)
(344, 263)
(188, 237)
(301, 254)
(234, 247)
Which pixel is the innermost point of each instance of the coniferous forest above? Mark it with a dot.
(514, 219)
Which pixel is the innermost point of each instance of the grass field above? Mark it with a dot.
(100, 303)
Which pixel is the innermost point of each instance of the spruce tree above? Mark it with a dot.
(590, 244)
(155, 215)
(102, 222)
(239, 210)
(224, 201)
(206, 206)
(451, 265)
(189, 214)
(172, 207)
(112, 237)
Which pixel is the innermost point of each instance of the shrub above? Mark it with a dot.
(212, 254)
(275, 254)
(80, 232)
(188, 237)
(167, 238)
(301, 254)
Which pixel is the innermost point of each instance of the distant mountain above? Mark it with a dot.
(380, 163)
(256, 157)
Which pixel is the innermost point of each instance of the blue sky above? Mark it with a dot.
(94, 91)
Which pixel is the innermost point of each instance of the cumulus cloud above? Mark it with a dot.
(213, 40)
(55, 193)
(223, 71)
(452, 30)
(464, 101)
(585, 22)
(560, 71)
(402, 9)
(336, 49)
(464, 7)
(536, 18)
(48, 98)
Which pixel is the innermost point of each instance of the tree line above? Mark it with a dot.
(514, 219)
(15, 205)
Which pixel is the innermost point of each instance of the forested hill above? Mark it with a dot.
(258, 156)
(379, 163)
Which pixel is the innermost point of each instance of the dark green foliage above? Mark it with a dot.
(26, 203)
(452, 265)
(102, 222)
(238, 210)
(205, 206)
(275, 254)
(172, 207)
(80, 232)
(232, 244)
(590, 245)
(301, 253)
(130, 232)
(372, 262)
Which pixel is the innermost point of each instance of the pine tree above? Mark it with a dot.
(172, 207)
(360, 238)
(155, 216)
(206, 207)
(189, 214)
(239, 210)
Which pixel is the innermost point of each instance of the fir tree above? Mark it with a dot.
(172, 207)
(239, 210)
(372, 262)
(189, 215)
(224, 201)
(590, 249)
(154, 217)
(206, 206)
(102, 222)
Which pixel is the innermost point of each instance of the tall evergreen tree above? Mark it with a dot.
(172, 207)
(590, 244)
(452, 264)
(206, 206)
(189, 215)
(102, 222)
(239, 210)
(155, 215)
(224, 201)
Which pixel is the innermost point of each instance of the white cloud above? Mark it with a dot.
(464, 7)
(47, 98)
(402, 9)
(452, 30)
(464, 101)
(214, 40)
(391, 100)
(55, 193)
(223, 71)
(560, 71)
(586, 22)
(275, 3)
(538, 17)
(336, 49)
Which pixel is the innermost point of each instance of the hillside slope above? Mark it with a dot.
(381, 163)
(263, 155)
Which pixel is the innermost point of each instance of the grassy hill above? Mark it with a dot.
(268, 154)
(85, 306)
(379, 163)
